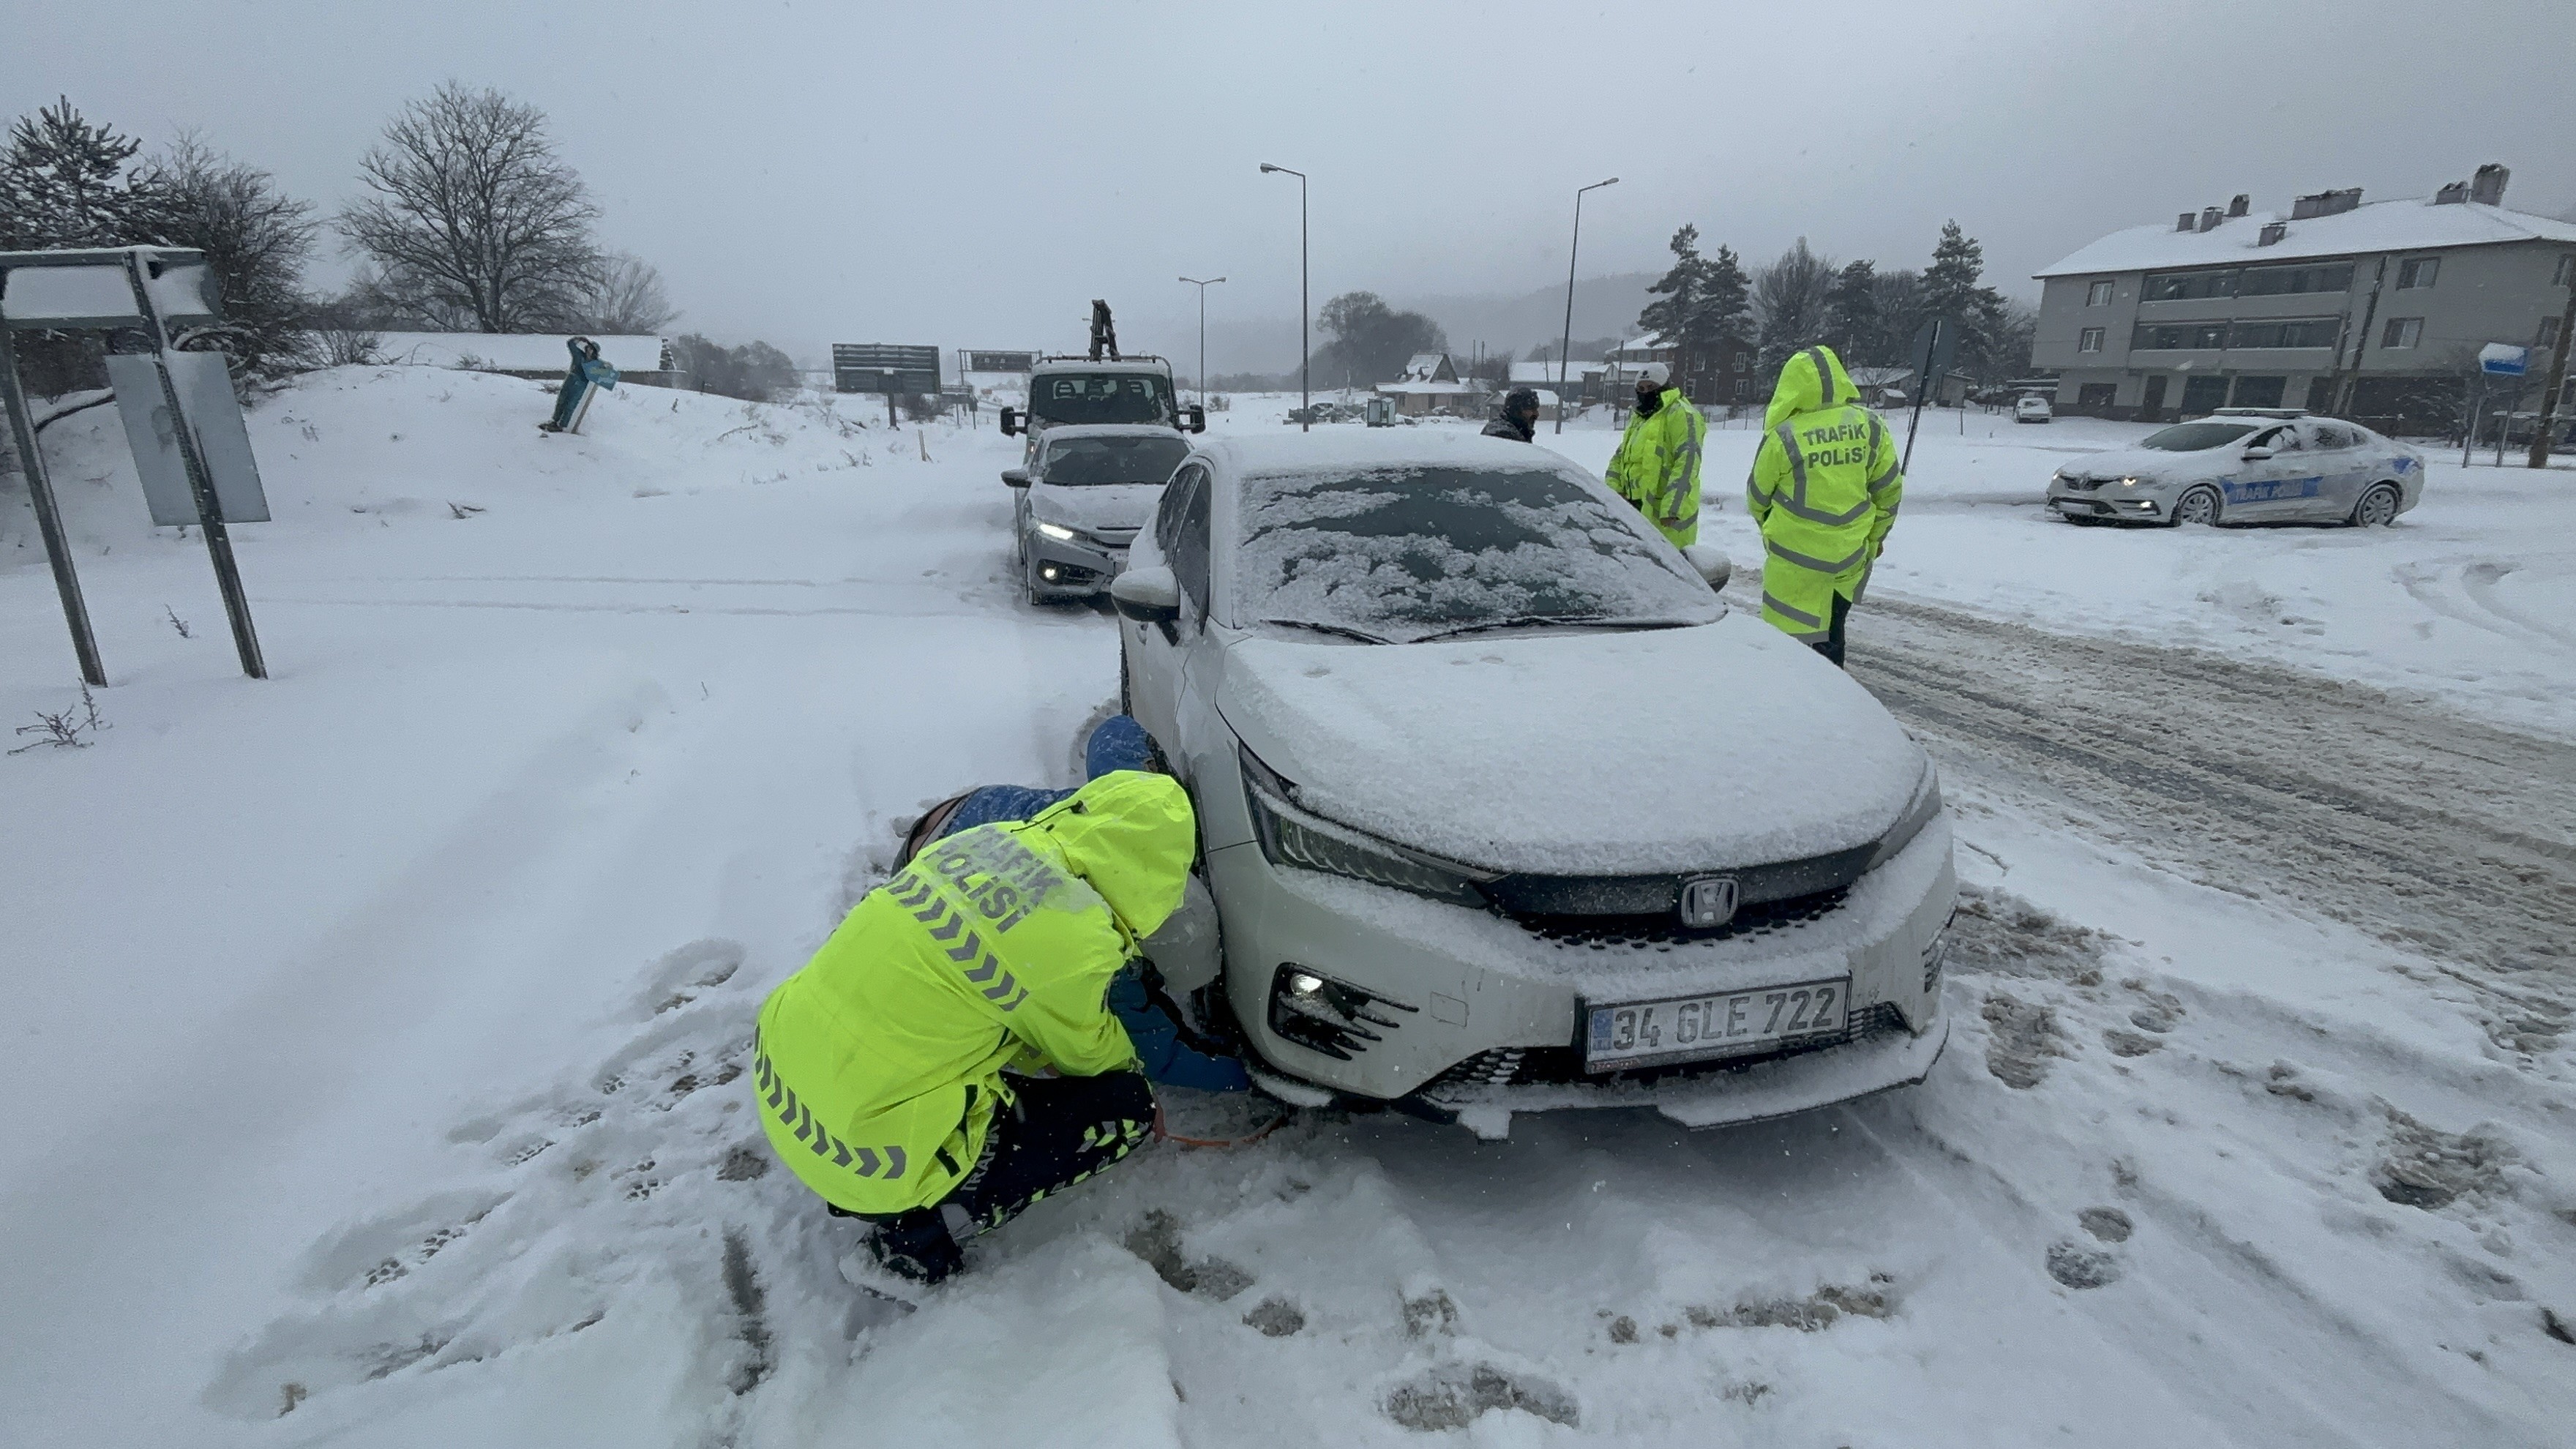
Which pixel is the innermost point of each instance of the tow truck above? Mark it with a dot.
(1102, 386)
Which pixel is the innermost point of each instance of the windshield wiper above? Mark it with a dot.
(1343, 631)
(1533, 621)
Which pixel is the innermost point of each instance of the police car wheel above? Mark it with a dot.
(2200, 505)
(2377, 508)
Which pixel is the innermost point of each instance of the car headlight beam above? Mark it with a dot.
(1293, 836)
(1058, 531)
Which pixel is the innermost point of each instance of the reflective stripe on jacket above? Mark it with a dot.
(877, 1067)
(1657, 466)
(1824, 491)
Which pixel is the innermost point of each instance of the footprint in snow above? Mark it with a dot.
(566, 1205)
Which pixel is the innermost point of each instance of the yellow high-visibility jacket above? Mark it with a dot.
(878, 1066)
(1657, 466)
(1824, 491)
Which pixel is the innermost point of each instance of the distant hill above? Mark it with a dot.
(1603, 307)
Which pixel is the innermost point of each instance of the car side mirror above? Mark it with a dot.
(1712, 563)
(1016, 477)
(2257, 454)
(1148, 595)
(1010, 421)
(1194, 419)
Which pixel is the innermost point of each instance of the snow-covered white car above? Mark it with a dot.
(2030, 407)
(1504, 809)
(1085, 492)
(2245, 466)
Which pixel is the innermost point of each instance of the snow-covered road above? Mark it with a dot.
(375, 1032)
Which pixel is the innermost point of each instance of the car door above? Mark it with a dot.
(1155, 651)
(1196, 730)
(2343, 465)
(2270, 488)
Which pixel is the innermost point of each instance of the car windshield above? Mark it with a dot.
(1124, 397)
(1405, 553)
(2194, 437)
(1081, 462)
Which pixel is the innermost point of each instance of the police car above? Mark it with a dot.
(2245, 465)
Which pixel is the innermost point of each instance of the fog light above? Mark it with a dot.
(1049, 572)
(1327, 1016)
(1305, 985)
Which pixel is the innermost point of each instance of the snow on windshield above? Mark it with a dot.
(2195, 437)
(1085, 461)
(1407, 552)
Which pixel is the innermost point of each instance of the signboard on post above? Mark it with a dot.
(1001, 362)
(883, 367)
(2503, 359)
(206, 396)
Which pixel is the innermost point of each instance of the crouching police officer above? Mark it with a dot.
(879, 1066)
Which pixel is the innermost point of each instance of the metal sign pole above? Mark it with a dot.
(2477, 404)
(1927, 346)
(49, 520)
(201, 483)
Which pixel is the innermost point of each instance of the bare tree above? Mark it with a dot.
(255, 238)
(472, 213)
(626, 297)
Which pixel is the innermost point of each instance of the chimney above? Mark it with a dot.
(2272, 232)
(2325, 203)
(2487, 187)
(2238, 206)
(2452, 195)
(2184, 222)
(2339, 202)
(2209, 218)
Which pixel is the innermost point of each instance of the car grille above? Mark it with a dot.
(1663, 930)
(1563, 1065)
(2084, 485)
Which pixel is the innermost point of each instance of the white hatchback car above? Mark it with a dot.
(2030, 407)
(1503, 809)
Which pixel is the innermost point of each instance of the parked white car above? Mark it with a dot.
(1504, 809)
(2030, 407)
(2245, 466)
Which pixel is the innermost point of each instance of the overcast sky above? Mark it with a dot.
(974, 175)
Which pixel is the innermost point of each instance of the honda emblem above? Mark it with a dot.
(1708, 901)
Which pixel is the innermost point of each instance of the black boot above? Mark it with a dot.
(916, 1246)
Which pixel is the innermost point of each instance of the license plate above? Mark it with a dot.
(1692, 1028)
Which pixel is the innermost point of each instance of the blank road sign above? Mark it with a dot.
(884, 367)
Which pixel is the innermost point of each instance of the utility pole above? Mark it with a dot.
(1305, 309)
(1565, 348)
(1203, 286)
(2557, 369)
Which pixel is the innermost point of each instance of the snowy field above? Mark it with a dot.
(375, 1030)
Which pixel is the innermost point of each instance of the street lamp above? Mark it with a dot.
(1305, 354)
(1565, 349)
(1202, 286)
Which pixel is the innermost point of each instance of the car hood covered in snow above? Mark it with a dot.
(2155, 463)
(1719, 745)
(1118, 507)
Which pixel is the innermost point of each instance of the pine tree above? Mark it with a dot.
(1951, 289)
(66, 183)
(1852, 324)
(1675, 317)
(1790, 298)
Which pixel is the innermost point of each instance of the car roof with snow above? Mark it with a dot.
(1376, 448)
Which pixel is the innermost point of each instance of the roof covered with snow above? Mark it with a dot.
(1428, 367)
(1534, 373)
(514, 351)
(2379, 226)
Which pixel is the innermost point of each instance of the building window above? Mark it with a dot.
(2418, 272)
(2095, 397)
(2098, 295)
(2189, 286)
(2402, 332)
(2172, 336)
(2290, 281)
(2289, 332)
(2090, 340)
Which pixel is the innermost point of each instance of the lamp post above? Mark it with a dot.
(1202, 286)
(1305, 353)
(1565, 349)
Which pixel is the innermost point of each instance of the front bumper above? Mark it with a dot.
(1488, 1009)
(2141, 503)
(1071, 569)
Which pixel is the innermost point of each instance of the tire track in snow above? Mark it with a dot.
(2448, 838)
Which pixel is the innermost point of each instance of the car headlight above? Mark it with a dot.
(1918, 813)
(1059, 531)
(1290, 835)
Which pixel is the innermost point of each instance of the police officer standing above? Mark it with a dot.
(1824, 491)
(1518, 420)
(1657, 465)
